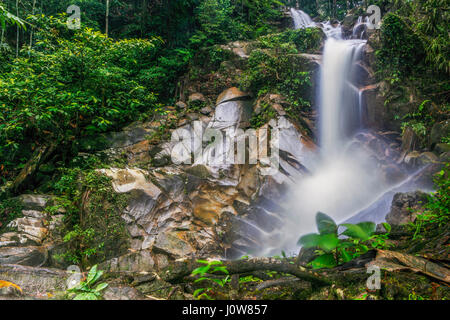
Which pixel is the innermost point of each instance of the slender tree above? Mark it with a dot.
(107, 18)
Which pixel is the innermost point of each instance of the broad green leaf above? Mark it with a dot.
(101, 287)
(198, 291)
(368, 227)
(86, 296)
(328, 241)
(309, 240)
(91, 274)
(325, 224)
(387, 226)
(357, 231)
(324, 261)
(221, 269)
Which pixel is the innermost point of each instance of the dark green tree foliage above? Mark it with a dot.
(72, 85)
(401, 47)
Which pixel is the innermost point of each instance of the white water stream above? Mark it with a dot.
(343, 179)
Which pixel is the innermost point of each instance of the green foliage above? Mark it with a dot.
(284, 74)
(85, 290)
(436, 211)
(71, 86)
(9, 210)
(401, 49)
(333, 249)
(205, 273)
(222, 21)
(7, 17)
(94, 229)
(304, 40)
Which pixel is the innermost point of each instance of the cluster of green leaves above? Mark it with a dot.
(222, 21)
(419, 121)
(436, 211)
(276, 67)
(264, 116)
(9, 210)
(401, 49)
(94, 230)
(304, 40)
(85, 290)
(72, 85)
(333, 249)
(278, 73)
(206, 274)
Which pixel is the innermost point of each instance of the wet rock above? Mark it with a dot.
(411, 159)
(122, 293)
(427, 158)
(232, 94)
(34, 201)
(196, 99)
(181, 105)
(173, 245)
(26, 256)
(404, 206)
(441, 148)
(409, 140)
(130, 263)
(30, 228)
(438, 131)
(37, 283)
(206, 110)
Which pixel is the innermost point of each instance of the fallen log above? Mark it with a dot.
(178, 271)
(393, 261)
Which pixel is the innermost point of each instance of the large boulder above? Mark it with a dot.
(405, 206)
(26, 256)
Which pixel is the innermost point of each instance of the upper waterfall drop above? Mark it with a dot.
(339, 103)
(301, 19)
(342, 179)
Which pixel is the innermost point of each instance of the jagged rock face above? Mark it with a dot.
(404, 207)
(201, 209)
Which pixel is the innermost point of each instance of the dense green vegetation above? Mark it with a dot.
(413, 57)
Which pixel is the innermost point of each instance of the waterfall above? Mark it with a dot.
(301, 19)
(337, 109)
(343, 179)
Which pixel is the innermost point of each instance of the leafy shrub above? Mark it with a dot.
(204, 272)
(278, 73)
(85, 290)
(436, 210)
(333, 249)
(401, 49)
(304, 40)
(71, 85)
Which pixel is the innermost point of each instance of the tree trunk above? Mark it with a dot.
(182, 269)
(31, 31)
(18, 30)
(107, 18)
(39, 156)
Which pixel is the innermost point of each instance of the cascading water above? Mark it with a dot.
(342, 179)
(301, 19)
(350, 177)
